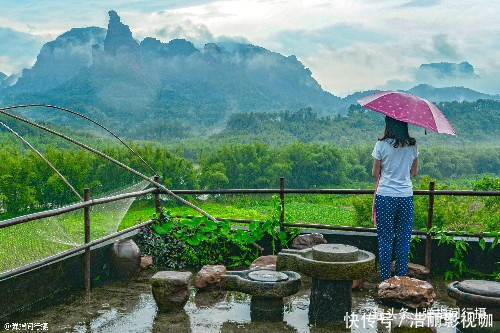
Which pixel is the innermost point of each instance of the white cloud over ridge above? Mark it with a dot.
(349, 45)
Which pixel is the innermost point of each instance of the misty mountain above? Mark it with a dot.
(109, 75)
(449, 94)
(428, 92)
(443, 70)
(3, 78)
(60, 60)
(152, 89)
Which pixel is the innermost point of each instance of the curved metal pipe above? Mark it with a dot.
(126, 167)
(43, 157)
(84, 117)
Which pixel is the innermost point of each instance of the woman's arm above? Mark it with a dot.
(414, 168)
(376, 168)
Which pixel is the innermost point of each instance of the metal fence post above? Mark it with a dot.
(428, 237)
(282, 199)
(282, 214)
(157, 196)
(86, 216)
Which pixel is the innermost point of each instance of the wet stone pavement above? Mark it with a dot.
(129, 307)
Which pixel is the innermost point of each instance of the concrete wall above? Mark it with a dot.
(476, 258)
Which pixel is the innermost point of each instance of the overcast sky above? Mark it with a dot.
(349, 46)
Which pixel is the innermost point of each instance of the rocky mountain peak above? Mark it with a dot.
(212, 49)
(447, 70)
(181, 46)
(61, 59)
(119, 38)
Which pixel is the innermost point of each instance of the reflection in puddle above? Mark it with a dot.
(129, 307)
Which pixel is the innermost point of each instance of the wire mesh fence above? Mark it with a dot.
(27, 242)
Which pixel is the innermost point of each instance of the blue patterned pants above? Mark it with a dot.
(394, 219)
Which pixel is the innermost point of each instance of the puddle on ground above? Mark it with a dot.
(121, 307)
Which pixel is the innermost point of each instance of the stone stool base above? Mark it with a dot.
(171, 290)
(330, 300)
(266, 308)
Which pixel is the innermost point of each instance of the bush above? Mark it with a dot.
(178, 243)
(180, 246)
(166, 250)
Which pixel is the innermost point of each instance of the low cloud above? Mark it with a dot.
(421, 3)
(444, 48)
(18, 50)
(306, 42)
(196, 33)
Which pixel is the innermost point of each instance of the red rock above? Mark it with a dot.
(414, 270)
(357, 284)
(413, 293)
(306, 241)
(209, 276)
(146, 262)
(264, 262)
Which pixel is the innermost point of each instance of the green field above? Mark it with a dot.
(30, 241)
(332, 210)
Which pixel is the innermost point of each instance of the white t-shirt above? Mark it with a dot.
(395, 178)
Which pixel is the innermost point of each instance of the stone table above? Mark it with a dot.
(332, 267)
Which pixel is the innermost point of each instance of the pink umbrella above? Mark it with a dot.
(408, 108)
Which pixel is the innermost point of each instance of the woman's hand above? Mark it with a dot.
(414, 168)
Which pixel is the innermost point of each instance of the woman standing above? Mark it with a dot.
(395, 162)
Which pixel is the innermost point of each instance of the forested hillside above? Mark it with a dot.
(474, 122)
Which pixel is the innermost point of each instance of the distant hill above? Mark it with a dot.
(3, 78)
(449, 94)
(430, 93)
(475, 122)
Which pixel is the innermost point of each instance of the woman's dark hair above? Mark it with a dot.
(397, 130)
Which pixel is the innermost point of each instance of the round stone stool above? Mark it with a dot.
(171, 290)
(477, 294)
(267, 288)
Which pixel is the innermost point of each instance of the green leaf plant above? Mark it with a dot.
(461, 247)
(209, 242)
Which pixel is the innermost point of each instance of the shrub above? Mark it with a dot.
(177, 243)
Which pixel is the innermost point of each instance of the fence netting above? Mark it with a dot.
(27, 242)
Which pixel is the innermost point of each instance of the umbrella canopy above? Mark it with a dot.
(408, 108)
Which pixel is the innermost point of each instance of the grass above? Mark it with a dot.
(298, 209)
(26, 242)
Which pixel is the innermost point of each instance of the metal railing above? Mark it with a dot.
(88, 202)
